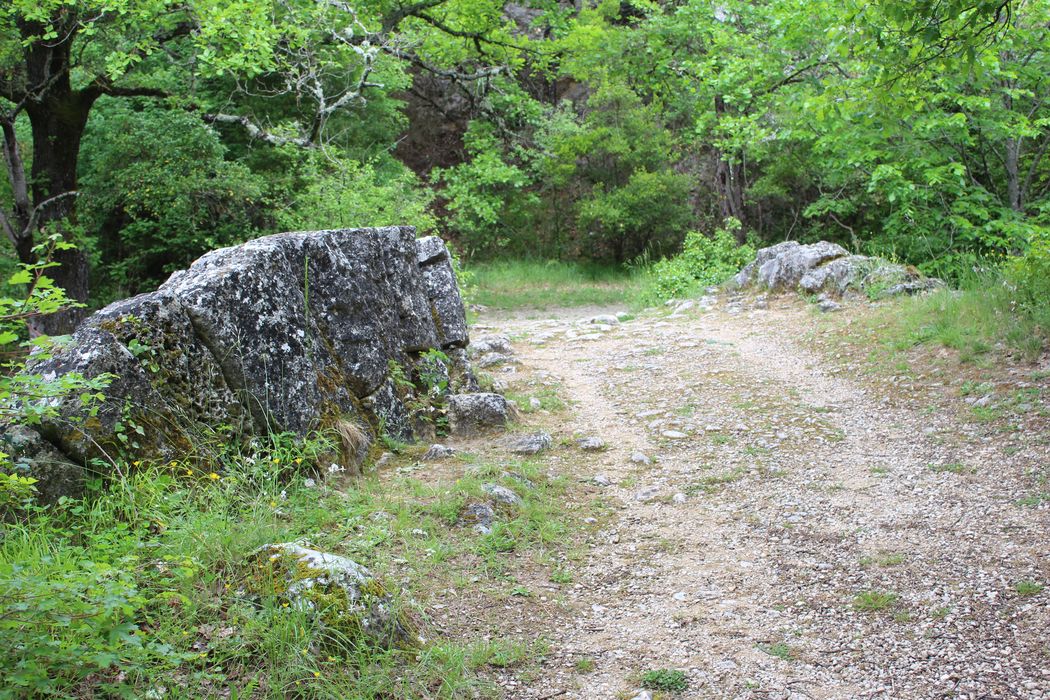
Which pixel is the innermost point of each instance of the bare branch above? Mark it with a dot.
(257, 133)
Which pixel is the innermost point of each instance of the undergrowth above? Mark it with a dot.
(141, 590)
(987, 315)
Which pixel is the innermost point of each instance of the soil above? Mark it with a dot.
(803, 530)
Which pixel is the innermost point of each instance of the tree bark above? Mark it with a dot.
(729, 184)
(58, 115)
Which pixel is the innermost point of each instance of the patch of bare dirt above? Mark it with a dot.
(798, 532)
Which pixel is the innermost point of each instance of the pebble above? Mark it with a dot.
(679, 498)
(640, 458)
(602, 480)
(674, 434)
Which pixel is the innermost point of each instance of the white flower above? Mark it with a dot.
(335, 468)
(309, 483)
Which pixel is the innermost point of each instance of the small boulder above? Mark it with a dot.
(641, 458)
(345, 595)
(469, 414)
(591, 444)
(785, 271)
(479, 515)
(34, 457)
(491, 343)
(531, 444)
(492, 359)
(437, 452)
(501, 494)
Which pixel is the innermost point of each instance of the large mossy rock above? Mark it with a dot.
(291, 332)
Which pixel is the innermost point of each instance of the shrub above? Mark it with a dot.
(704, 260)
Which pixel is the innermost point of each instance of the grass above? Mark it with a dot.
(780, 650)
(874, 601)
(147, 582)
(1028, 588)
(666, 679)
(536, 284)
(973, 320)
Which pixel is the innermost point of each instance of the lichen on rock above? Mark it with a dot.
(344, 595)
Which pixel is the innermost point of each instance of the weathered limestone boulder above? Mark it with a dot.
(344, 595)
(786, 270)
(470, 414)
(828, 269)
(292, 332)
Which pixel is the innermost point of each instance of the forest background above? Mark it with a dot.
(150, 131)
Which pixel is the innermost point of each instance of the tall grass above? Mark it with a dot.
(539, 284)
(982, 317)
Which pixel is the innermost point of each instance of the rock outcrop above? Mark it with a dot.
(291, 332)
(828, 269)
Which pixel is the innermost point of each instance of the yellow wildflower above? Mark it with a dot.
(213, 476)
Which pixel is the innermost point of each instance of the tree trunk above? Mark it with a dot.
(729, 183)
(58, 119)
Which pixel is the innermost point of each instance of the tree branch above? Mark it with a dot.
(257, 133)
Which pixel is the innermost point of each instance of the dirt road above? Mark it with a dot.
(796, 533)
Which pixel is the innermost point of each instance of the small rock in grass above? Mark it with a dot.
(469, 414)
(647, 494)
(602, 480)
(491, 343)
(531, 444)
(674, 434)
(480, 515)
(643, 695)
(502, 494)
(605, 319)
(679, 498)
(438, 452)
(309, 580)
(640, 458)
(828, 305)
(591, 444)
(535, 404)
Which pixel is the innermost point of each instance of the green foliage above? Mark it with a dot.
(671, 680)
(344, 193)
(27, 396)
(704, 261)
(158, 193)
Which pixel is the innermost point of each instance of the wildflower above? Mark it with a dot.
(335, 468)
(174, 463)
(136, 463)
(298, 460)
(283, 495)
(317, 674)
(276, 460)
(213, 476)
(309, 483)
(273, 504)
(189, 472)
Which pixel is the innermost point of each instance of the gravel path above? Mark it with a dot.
(797, 534)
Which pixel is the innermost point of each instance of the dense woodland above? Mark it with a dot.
(149, 132)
